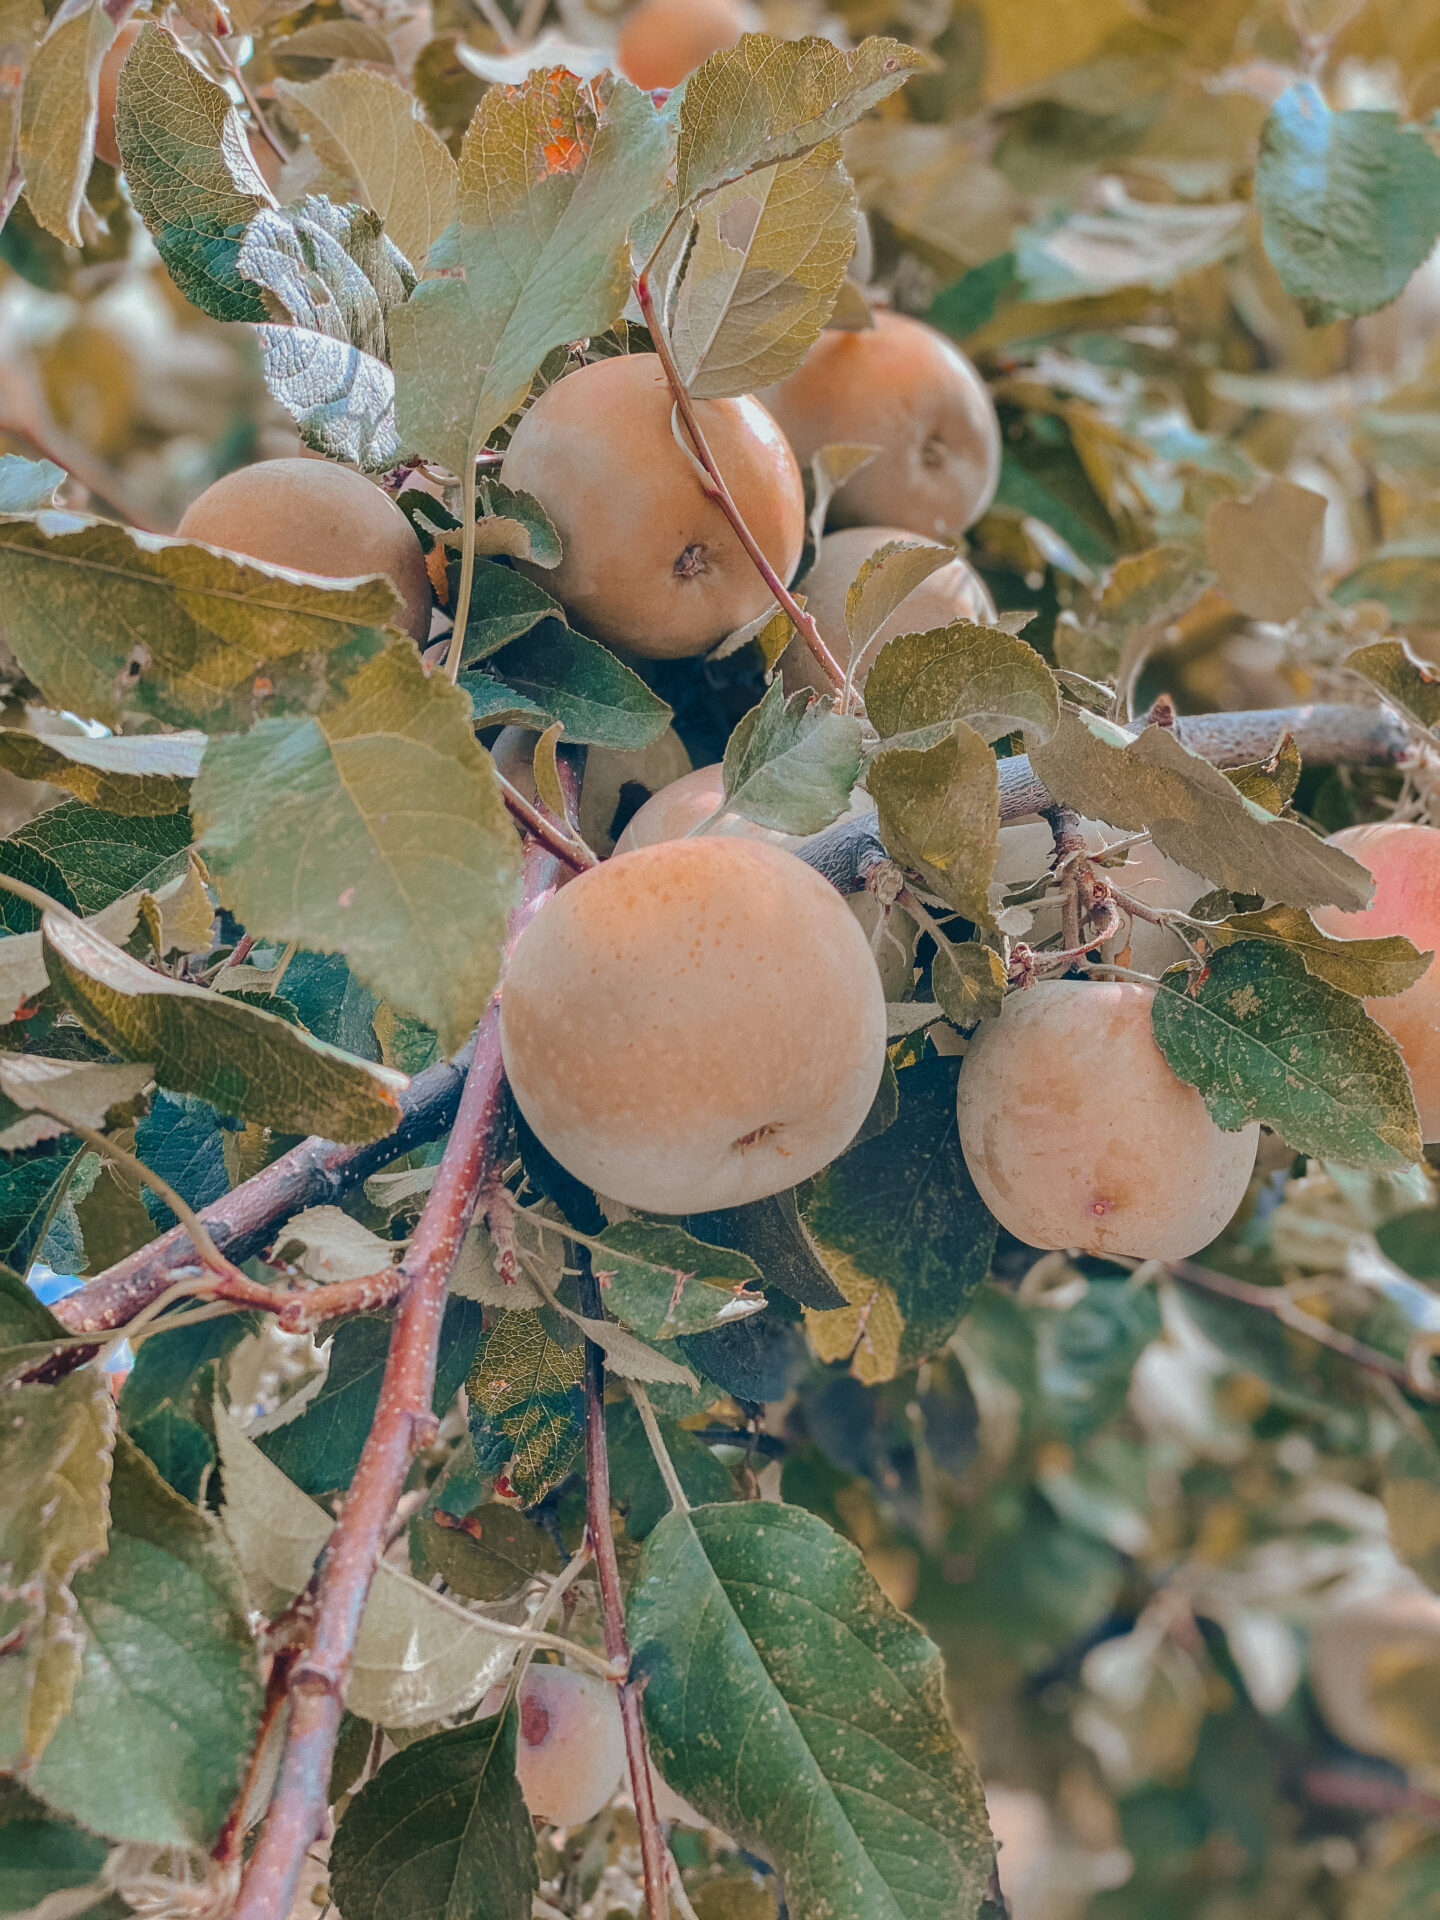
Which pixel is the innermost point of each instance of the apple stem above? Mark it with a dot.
(713, 482)
(456, 650)
(540, 822)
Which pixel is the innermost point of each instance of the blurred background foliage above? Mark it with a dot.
(1174, 1545)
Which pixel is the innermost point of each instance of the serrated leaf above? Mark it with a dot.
(165, 1710)
(968, 982)
(921, 683)
(939, 811)
(139, 774)
(1367, 969)
(769, 1232)
(527, 1404)
(22, 955)
(1263, 1039)
(513, 522)
(190, 173)
(367, 128)
(418, 1658)
(1349, 203)
(1193, 813)
(27, 486)
(214, 1046)
(58, 114)
(552, 176)
(901, 1231)
(791, 764)
(84, 857)
(504, 606)
(319, 1447)
(887, 578)
(629, 1358)
(41, 1855)
(40, 1099)
(660, 1282)
(831, 467)
(1407, 681)
(767, 99)
(56, 1445)
(31, 1185)
(1269, 783)
(441, 1829)
(109, 623)
(795, 1707)
(336, 275)
(1268, 551)
(375, 830)
(767, 259)
(554, 673)
(488, 1553)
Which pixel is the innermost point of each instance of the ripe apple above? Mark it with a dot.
(694, 1025)
(650, 562)
(662, 41)
(1077, 1133)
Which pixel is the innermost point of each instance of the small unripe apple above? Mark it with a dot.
(650, 562)
(906, 389)
(319, 518)
(662, 41)
(1077, 1133)
(694, 1025)
(571, 1747)
(106, 148)
(1405, 860)
(953, 592)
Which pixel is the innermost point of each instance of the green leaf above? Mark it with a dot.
(1087, 1354)
(319, 1448)
(30, 1187)
(1268, 552)
(797, 1709)
(40, 1855)
(968, 982)
(527, 1404)
(940, 814)
(1405, 579)
(1412, 1241)
(1411, 1494)
(768, 99)
(155, 1745)
(902, 1232)
(1369, 969)
(1349, 203)
(56, 1445)
(770, 1233)
(767, 258)
(1263, 1039)
(366, 128)
(441, 1830)
(513, 522)
(660, 1282)
(635, 1483)
(552, 176)
(190, 173)
(921, 683)
(1193, 813)
(504, 605)
(885, 581)
(142, 774)
(1407, 681)
(556, 674)
(27, 486)
(110, 623)
(790, 764)
(58, 114)
(337, 277)
(183, 1140)
(376, 830)
(87, 859)
(488, 1554)
(212, 1045)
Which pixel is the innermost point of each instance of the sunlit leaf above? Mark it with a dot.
(1365, 968)
(921, 683)
(58, 113)
(790, 764)
(940, 814)
(27, 486)
(144, 774)
(375, 830)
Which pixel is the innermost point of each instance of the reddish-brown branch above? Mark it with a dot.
(551, 834)
(1277, 1301)
(717, 491)
(612, 1601)
(403, 1422)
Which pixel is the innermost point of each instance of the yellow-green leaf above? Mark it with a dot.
(1268, 551)
(139, 774)
(940, 814)
(58, 113)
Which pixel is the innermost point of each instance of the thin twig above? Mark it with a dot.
(262, 125)
(658, 1447)
(1276, 1301)
(206, 1250)
(568, 847)
(456, 651)
(716, 490)
(612, 1601)
(403, 1423)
